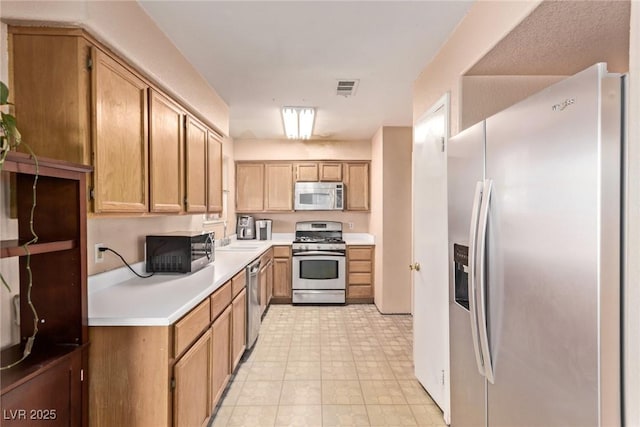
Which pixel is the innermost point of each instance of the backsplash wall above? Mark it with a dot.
(127, 236)
(285, 222)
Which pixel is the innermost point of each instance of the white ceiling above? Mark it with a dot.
(262, 55)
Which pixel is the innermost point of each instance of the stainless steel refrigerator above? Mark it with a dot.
(534, 196)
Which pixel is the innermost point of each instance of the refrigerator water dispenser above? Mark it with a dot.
(461, 274)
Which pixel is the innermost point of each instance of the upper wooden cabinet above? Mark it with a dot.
(264, 187)
(278, 187)
(318, 171)
(196, 140)
(214, 173)
(330, 171)
(166, 154)
(203, 149)
(269, 186)
(120, 137)
(356, 180)
(73, 102)
(76, 101)
(249, 187)
(307, 172)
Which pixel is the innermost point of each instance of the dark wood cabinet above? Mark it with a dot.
(49, 386)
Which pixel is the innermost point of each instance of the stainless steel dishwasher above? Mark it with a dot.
(253, 303)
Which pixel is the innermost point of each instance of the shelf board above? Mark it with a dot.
(12, 248)
(25, 164)
(42, 357)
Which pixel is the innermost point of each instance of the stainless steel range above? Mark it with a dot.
(319, 263)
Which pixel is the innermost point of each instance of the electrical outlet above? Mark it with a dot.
(350, 225)
(99, 255)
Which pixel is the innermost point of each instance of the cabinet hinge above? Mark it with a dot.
(173, 383)
(81, 375)
(442, 147)
(443, 377)
(89, 63)
(92, 194)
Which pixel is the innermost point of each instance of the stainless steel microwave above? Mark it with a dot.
(319, 196)
(179, 252)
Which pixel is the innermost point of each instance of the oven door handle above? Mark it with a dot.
(318, 253)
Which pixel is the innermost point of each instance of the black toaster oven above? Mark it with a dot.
(179, 252)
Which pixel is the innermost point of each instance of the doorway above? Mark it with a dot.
(430, 258)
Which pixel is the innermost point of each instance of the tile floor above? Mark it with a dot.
(328, 366)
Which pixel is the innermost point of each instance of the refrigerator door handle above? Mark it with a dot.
(473, 315)
(481, 306)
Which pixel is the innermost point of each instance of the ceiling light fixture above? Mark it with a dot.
(298, 122)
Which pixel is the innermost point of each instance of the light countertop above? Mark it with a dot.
(118, 298)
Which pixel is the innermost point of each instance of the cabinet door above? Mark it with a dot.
(119, 137)
(221, 355)
(282, 277)
(263, 288)
(331, 172)
(357, 186)
(214, 173)
(238, 327)
(192, 392)
(50, 398)
(50, 90)
(279, 187)
(269, 282)
(196, 165)
(307, 172)
(166, 154)
(249, 187)
(360, 272)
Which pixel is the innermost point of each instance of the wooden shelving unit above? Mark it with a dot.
(49, 387)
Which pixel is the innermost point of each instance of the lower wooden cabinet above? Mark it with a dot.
(52, 397)
(266, 279)
(192, 379)
(238, 328)
(282, 274)
(220, 355)
(174, 375)
(360, 274)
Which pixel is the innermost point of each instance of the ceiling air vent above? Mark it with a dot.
(347, 87)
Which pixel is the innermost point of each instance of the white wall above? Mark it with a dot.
(390, 221)
(287, 149)
(376, 222)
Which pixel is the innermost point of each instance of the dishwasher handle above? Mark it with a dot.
(254, 268)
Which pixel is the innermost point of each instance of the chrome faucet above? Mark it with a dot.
(225, 240)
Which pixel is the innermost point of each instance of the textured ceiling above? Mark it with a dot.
(262, 55)
(561, 38)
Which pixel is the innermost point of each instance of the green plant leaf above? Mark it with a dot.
(10, 126)
(4, 94)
